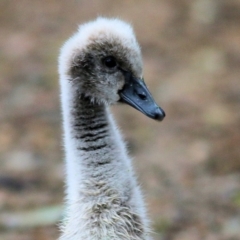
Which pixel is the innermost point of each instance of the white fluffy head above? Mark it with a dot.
(81, 57)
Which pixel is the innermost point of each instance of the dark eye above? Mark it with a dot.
(110, 62)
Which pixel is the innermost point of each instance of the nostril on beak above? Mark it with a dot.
(142, 95)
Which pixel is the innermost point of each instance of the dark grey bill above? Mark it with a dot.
(136, 94)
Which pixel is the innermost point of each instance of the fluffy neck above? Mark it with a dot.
(103, 199)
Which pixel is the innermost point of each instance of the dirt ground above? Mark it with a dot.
(188, 165)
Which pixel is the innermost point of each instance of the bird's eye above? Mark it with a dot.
(110, 62)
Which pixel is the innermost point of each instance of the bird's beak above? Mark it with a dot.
(136, 94)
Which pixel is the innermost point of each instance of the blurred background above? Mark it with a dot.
(188, 165)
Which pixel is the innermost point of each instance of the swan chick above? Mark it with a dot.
(101, 65)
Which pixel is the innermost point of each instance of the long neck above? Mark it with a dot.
(93, 144)
(100, 181)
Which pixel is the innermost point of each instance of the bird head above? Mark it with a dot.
(103, 63)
